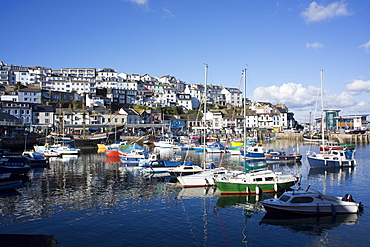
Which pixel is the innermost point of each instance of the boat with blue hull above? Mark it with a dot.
(159, 166)
(9, 185)
(332, 159)
(254, 152)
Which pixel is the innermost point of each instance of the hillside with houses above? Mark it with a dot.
(89, 100)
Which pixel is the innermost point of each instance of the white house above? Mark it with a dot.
(131, 116)
(184, 100)
(233, 96)
(106, 73)
(29, 95)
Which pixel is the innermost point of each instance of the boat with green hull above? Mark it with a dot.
(256, 182)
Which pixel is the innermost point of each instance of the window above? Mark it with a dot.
(284, 198)
(302, 199)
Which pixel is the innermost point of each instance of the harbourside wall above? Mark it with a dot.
(342, 138)
(294, 137)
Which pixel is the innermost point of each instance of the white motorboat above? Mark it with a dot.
(67, 150)
(310, 201)
(166, 143)
(185, 169)
(206, 177)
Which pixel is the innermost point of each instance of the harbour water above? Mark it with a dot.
(91, 200)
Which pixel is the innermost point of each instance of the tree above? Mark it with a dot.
(18, 86)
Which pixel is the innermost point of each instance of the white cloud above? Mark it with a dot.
(291, 94)
(358, 87)
(296, 97)
(138, 2)
(168, 13)
(366, 46)
(301, 101)
(317, 13)
(315, 45)
(335, 101)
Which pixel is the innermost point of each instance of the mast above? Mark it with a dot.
(245, 113)
(322, 107)
(204, 114)
(83, 117)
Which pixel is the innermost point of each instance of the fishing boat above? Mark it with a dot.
(256, 182)
(310, 201)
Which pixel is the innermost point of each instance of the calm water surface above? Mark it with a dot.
(91, 200)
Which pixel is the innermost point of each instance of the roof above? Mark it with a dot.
(7, 116)
(43, 108)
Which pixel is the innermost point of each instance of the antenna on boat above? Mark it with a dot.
(308, 186)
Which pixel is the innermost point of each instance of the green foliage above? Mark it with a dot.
(76, 104)
(18, 86)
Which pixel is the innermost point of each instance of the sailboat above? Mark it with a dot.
(254, 181)
(331, 158)
(206, 177)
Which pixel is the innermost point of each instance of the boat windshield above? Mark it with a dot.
(302, 199)
(284, 198)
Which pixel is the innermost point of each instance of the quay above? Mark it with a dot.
(358, 139)
(18, 143)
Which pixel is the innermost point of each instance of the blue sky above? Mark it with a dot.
(283, 44)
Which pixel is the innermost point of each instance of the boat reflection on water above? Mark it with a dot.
(312, 225)
(64, 159)
(112, 159)
(272, 165)
(198, 192)
(334, 173)
(248, 202)
(250, 165)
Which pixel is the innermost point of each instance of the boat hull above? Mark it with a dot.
(228, 188)
(319, 209)
(322, 163)
(280, 158)
(253, 155)
(9, 185)
(112, 153)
